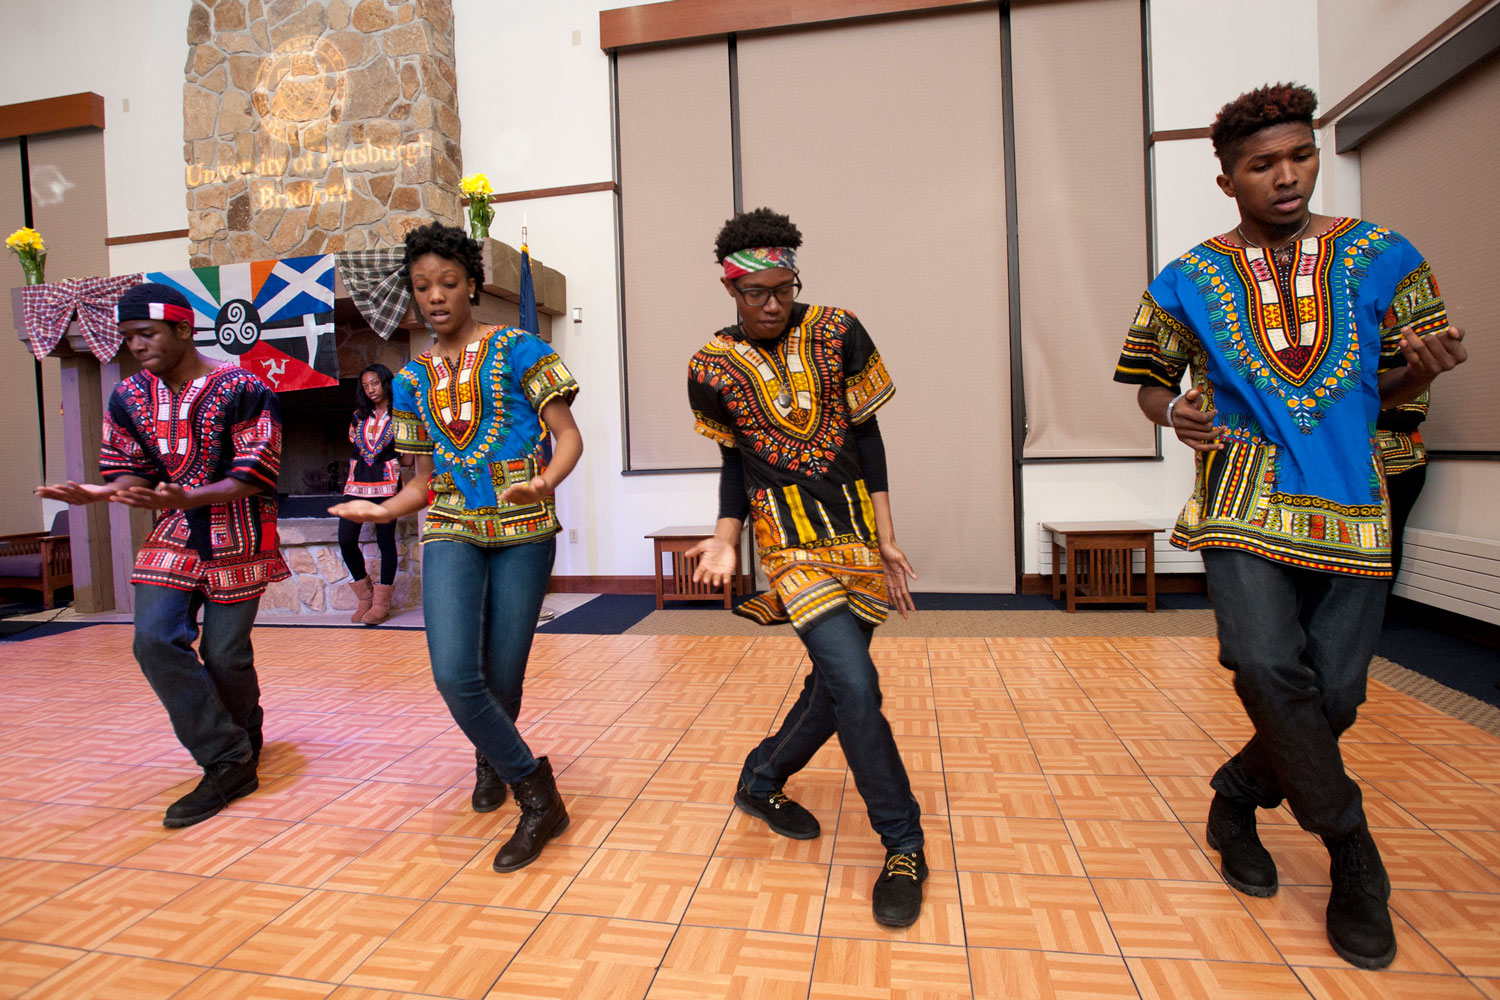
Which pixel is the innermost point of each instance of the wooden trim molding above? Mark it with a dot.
(1169, 134)
(52, 114)
(553, 192)
(683, 20)
(607, 585)
(166, 234)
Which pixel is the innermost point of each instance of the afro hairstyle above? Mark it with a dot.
(450, 243)
(759, 227)
(1273, 104)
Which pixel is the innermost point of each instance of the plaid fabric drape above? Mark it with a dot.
(377, 285)
(48, 309)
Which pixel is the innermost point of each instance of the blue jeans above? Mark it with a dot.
(1299, 642)
(842, 695)
(214, 703)
(481, 606)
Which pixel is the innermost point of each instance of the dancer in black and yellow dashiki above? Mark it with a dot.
(789, 394)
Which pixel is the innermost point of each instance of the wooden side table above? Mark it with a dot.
(676, 541)
(1097, 557)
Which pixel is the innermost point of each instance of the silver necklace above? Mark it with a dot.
(1246, 240)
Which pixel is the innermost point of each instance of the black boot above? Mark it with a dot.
(542, 818)
(897, 899)
(1243, 861)
(222, 783)
(257, 740)
(1359, 923)
(489, 790)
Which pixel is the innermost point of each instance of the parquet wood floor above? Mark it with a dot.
(1062, 781)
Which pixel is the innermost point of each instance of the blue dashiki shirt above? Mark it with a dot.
(223, 425)
(481, 425)
(1291, 362)
(789, 406)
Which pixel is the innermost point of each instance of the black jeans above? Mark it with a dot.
(385, 537)
(842, 695)
(1299, 643)
(1403, 489)
(214, 703)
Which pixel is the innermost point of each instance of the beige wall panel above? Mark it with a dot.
(1081, 204)
(1429, 175)
(676, 190)
(883, 141)
(67, 201)
(22, 450)
(1359, 38)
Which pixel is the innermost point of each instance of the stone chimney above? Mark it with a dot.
(317, 127)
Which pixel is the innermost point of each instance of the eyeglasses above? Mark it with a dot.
(759, 296)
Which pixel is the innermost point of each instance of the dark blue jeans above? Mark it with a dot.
(214, 703)
(1299, 643)
(480, 606)
(842, 695)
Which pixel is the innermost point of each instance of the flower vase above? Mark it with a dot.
(33, 268)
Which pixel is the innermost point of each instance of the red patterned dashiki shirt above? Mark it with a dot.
(224, 425)
(788, 405)
(375, 471)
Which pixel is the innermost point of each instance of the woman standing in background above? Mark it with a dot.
(374, 474)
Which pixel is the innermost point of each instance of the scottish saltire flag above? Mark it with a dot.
(529, 321)
(273, 318)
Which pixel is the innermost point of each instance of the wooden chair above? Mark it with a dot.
(38, 560)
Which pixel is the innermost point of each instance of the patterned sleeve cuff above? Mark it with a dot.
(547, 380)
(713, 429)
(869, 390)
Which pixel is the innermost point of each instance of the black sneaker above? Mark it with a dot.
(221, 784)
(897, 900)
(1243, 859)
(780, 813)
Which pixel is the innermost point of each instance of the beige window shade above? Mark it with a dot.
(884, 143)
(1081, 221)
(676, 190)
(19, 510)
(1430, 175)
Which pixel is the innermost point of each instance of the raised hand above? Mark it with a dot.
(74, 493)
(533, 491)
(1429, 356)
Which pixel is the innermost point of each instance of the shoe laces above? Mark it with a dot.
(777, 799)
(901, 864)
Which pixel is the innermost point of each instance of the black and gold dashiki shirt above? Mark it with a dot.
(788, 405)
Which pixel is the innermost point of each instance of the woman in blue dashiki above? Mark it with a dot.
(471, 411)
(374, 474)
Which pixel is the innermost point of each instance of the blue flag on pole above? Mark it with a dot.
(529, 320)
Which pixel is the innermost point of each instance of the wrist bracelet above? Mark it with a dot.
(1175, 400)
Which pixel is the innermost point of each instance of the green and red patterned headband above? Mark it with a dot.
(753, 259)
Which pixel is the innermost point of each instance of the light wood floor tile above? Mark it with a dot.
(415, 865)
(1034, 912)
(23, 964)
(1294, 921)
(205, 923)
(324, 936)
(304, 855)
(24, 884)
(1352, 984)
(1205, 920)
(713, 963)
(223, 984)
(759, 895)
(1168, 979)
(1129, 850)
(447, 949)
(1463, 926)
(674, 827)
(536, 887)
(1028, 846)
(635, 885)
(984, 794)
(578, 958)
(92, 912)
(1001, 974)
(114, 977)
(898, 970)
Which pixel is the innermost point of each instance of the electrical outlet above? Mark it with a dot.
(572, 536)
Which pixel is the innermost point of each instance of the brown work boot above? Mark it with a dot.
(380, 604)
(542, 818)
(363, 595)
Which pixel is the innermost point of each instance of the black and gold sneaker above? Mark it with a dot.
(897, 899)
(780, 813)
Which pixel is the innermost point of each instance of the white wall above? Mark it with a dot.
(1358, 38)
(126, 52)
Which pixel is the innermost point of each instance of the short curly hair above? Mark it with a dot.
(758, 227)
(450, 243)
(1273, 104)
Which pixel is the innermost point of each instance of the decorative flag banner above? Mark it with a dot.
(273, 318)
